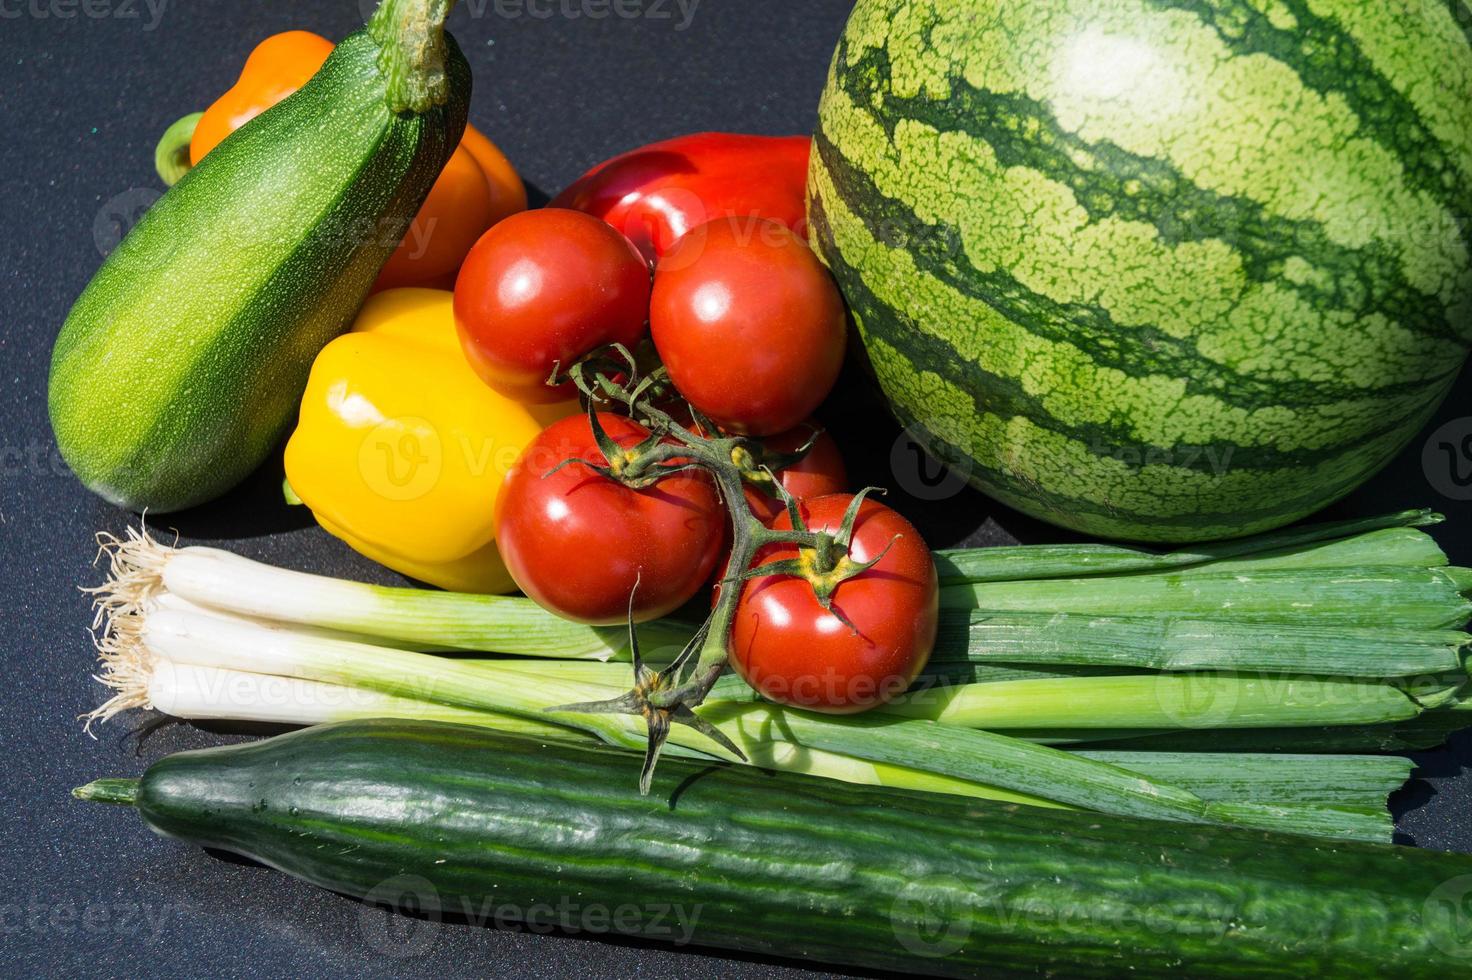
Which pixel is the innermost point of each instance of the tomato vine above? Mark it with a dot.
(612, 378)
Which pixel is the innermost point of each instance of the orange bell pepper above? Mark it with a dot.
(278, 66)
(478, 187)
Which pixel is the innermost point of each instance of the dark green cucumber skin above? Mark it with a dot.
(183, 362)
(802, 867)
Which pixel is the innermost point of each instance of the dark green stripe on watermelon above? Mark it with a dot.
(1329, 60)
(1462, 14)
(1110, 182)
(934, 251)
(1004, 397)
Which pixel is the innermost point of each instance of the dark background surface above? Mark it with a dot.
(84, 93)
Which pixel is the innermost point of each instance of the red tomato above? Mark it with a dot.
(577, 541)
(749, 324)
(543, 288)
(793, 651)
(817, 474)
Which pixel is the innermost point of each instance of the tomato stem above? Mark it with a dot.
(670, 695)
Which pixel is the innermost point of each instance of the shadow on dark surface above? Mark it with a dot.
(1416, 793)
(230, 857)
(154, 724)
(254, 509)
(1449, 762)
(243, 729)
(1441, 762)
(149, 728)
(947, 513)
(535, 196)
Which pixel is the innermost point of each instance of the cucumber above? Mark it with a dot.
(479, 823)
(183, 362)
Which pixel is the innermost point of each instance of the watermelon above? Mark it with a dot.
(1164, 270)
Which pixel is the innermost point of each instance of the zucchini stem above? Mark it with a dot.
(119, 792)
(412, 54)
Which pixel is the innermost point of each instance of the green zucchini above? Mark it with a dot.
(480, 823)
(184, 360)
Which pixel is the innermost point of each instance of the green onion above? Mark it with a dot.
(1008, 564)
(1399, 546)
(209, 693)
(1369, 597)
(1339, 780)
(1167, 700)
(1426, 731)
(1049, 677)
(1111, 620)
(142, 570)
(995, 759)
(1003, 698)
(213, 693)
(1182, 644)
(849, 748)
(219, 694)
(1154, 670)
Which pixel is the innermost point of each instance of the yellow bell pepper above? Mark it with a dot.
(401, 449)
